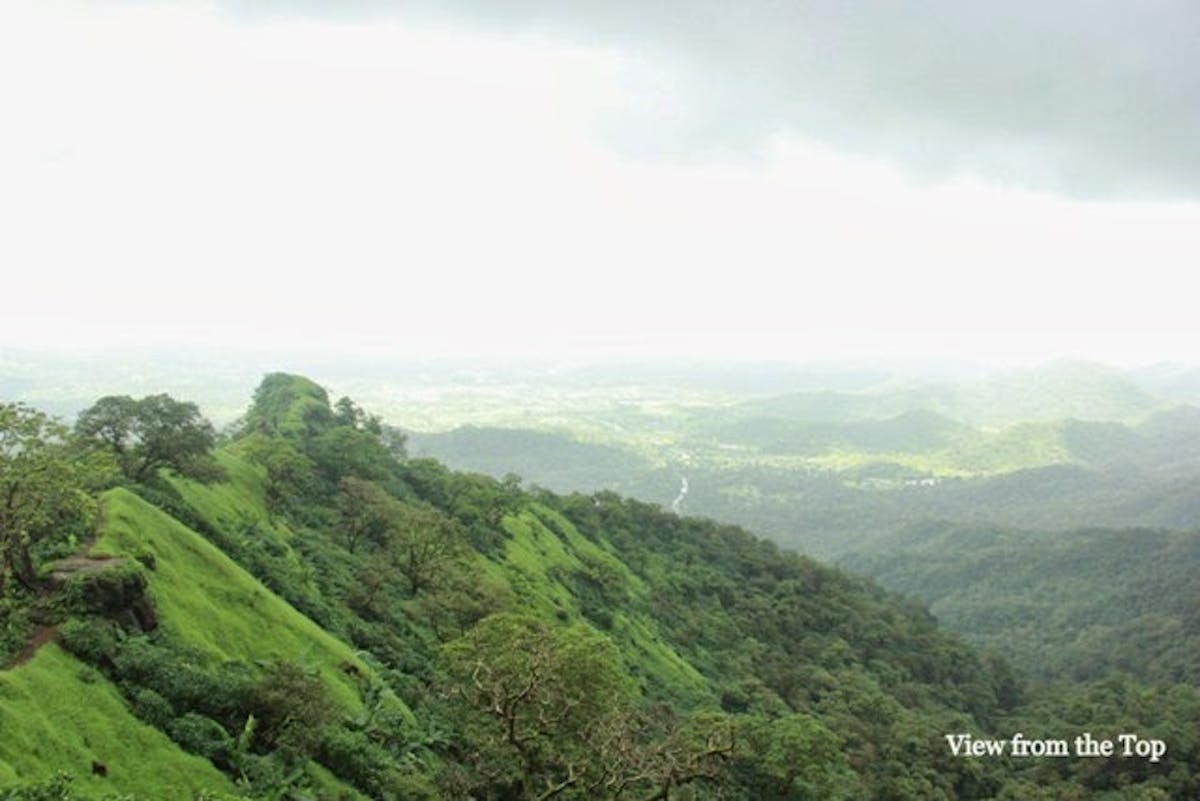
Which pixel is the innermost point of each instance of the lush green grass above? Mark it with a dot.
(240, 496)
(208, 602)
(545, 550)
(58, 714)
(532, 554)
(237, 505)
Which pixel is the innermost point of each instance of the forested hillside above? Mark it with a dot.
(300, 610)
(1067, 606)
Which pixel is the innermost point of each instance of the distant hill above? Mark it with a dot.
(915, 431)
(1056, 391)
(1180, 382)
(554, 461)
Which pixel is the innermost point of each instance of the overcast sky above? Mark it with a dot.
(1008, 181)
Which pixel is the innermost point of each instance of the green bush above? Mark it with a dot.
(203, 736)
(150, 706)
(16, 626)
(90, 640)
(353, 756)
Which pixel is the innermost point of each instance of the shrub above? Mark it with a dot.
(90, 640)
(150, 706)
(202, 735)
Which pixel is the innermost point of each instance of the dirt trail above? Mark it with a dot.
(41, 636)
(63, 569)
(79, 562)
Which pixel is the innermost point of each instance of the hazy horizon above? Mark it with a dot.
(917, 364)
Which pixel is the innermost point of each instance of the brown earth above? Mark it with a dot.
(41, 636)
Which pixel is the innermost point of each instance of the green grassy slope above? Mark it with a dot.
(556, 570)
(240, 496)
(58, 714)
(208, 602)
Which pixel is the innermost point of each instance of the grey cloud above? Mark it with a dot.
(1096, 98)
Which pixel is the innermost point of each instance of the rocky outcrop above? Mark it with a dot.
(110, 587)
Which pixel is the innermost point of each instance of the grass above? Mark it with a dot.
(241, 496)
(206, 601)
(544, 547)
(58, 714)
(239, 500)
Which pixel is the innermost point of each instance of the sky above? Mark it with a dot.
(995, 181)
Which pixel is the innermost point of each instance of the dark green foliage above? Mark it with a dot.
(1108, 708)
(150, 434)
(201, 735)
(152, 708)
(292, 706)
(289, 472)
(366, 514)
(477, 502)
(793, 757)
(356, 757)
(107, 590)
(16, 622)
(349, 414)
(92, 640)
(342, 451)
(222, 692)
(600, 587)
(552, 715)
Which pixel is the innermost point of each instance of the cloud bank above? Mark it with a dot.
(1091, 99)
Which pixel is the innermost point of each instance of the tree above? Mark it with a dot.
(292, 706)
(395, 441)
(560, 720)
(422, 542)
(417, 541)
(348, 413)
(152, 433)
(543, 691)
(366, 513)
(795, 757)
(43, 489)
(289, 472)
(344, 451)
